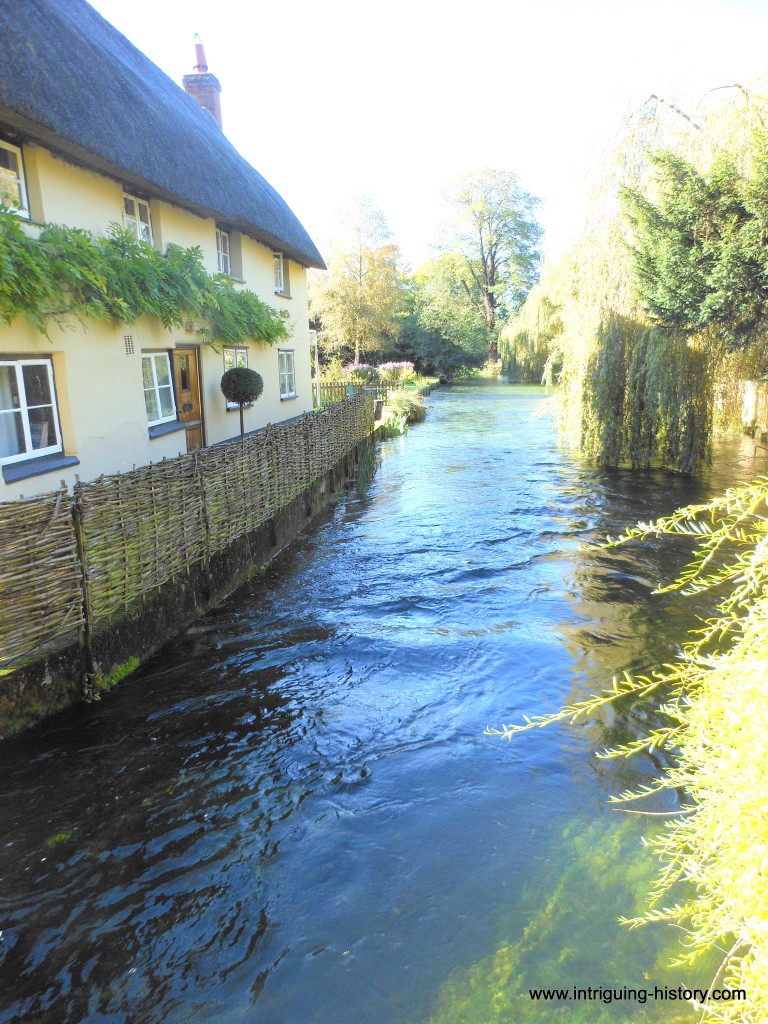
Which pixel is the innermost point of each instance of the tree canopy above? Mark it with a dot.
(700, 253)
(659, 309)
(494, 239)
(443, 307)
(359, 300)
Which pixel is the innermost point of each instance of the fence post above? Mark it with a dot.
(87, 665)
(200, 484)
(307, 467)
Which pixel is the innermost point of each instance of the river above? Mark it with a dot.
(292, 814)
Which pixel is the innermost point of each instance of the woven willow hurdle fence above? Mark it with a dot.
(66, 563)
(41, 605)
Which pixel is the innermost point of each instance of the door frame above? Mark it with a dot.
(198, 422)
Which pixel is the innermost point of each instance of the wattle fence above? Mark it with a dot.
(68, 562)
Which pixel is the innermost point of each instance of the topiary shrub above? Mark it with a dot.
(241, 385)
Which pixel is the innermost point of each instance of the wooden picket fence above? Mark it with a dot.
(338, 391)
(70, 561)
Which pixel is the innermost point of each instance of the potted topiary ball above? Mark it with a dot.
(241, 385)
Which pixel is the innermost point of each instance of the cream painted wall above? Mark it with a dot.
(172, 225)
(71, 195)
(99, 387)
(100, 396)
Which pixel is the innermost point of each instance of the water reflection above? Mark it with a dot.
(292, 814)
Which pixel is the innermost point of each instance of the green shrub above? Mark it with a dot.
(241, 385)
(408, 405)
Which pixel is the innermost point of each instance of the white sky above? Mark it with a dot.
(330, 99)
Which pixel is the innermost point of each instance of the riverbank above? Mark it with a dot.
(133, 559)
(294, 803)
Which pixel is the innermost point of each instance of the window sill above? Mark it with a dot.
(282, 295)
(166, 428)
(36, 467)
(288, 398)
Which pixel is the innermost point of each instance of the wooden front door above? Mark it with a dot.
(186, 379)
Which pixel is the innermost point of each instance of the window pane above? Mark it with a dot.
(150, 400)
(10, 188)
(9, 389)
(146, 371)
(10, 191)
(242, 357)
(9, 163)
(166, 402)
(11, 434)
(130, 208)
(42, 428)
(36, 385)
(162, 370)
(229, 358)
(287, 381)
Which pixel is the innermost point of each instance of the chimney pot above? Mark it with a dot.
(201, 63)
(202, 86)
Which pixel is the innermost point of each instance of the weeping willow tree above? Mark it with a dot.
(646, 397)
(529, 338)
(714, 847)
(659, 310)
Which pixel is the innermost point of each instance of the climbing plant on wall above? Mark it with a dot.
(70, 272)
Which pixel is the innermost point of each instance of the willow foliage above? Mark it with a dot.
(70, 272)
(668, 280)
(528, 339)
(714, 851)
(646, 398)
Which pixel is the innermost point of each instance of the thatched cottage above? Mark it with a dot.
(92, 134)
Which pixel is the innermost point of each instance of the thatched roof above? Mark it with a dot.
(73, 83)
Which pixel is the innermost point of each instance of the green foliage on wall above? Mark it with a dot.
(70, 272)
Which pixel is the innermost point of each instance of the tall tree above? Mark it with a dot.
(700, 248)
(359, 299)
(444, 308)
(495, 234)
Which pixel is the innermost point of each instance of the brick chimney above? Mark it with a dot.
(203, 87)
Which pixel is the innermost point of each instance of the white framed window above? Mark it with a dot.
(235, 357)
(13, 187)
(136, 218)
(277, 259)
(287, 373)
(158, 388)
(223, 257)
(29, 418)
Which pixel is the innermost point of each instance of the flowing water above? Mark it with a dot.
(292, 815)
